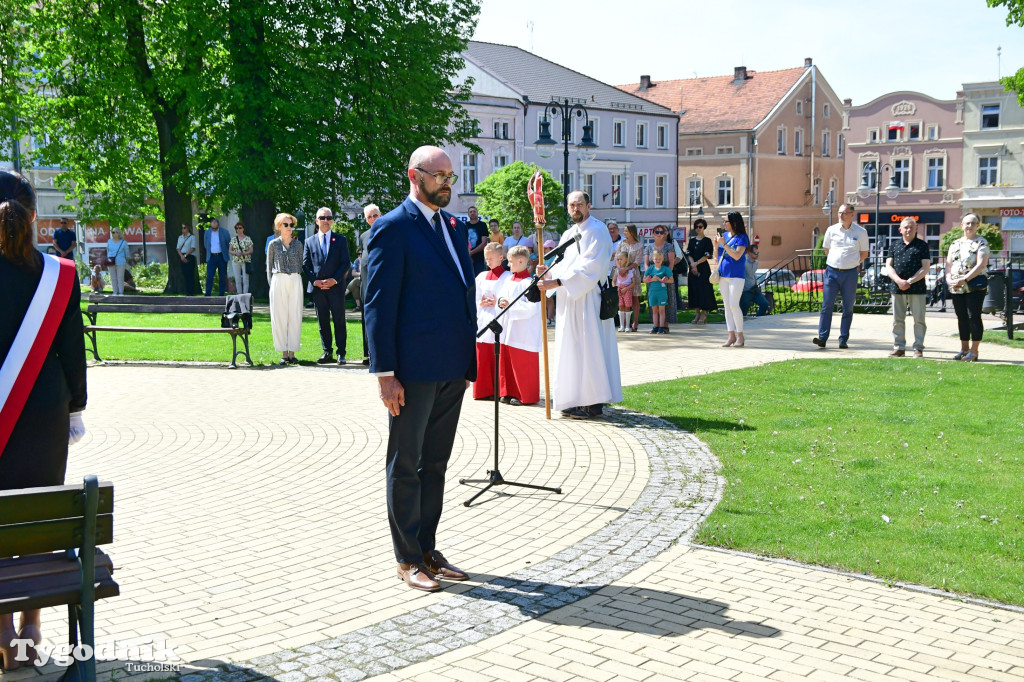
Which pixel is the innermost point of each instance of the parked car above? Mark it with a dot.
(812, 280)
(779, 278)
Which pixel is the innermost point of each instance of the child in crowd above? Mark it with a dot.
(624, 280)
(520, 369)
(96, 281)
(488, 283)
(656, 277)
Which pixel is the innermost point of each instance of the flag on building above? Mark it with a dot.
(897, 125)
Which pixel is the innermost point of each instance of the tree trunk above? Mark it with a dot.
(258, 217)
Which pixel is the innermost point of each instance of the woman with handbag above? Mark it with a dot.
(241, 259)
(966, 262)
(42, 370)
(662, 244)
(731, 248)
(117, 260)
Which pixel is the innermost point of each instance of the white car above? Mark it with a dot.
(781, 278)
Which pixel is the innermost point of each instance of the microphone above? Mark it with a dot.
(559, 251)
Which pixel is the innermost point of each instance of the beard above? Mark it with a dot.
(440, 197)
(578, 216)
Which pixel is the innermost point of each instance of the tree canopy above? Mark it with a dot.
(991, 234)
(1014, 16)
(502, 195)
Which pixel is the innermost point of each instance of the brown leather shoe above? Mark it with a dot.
(439, 566)
(418, 577)
(897, 353)
(918, 354)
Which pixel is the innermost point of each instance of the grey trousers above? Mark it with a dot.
(900, 303)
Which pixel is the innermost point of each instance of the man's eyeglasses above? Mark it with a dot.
(441, 177)
(325, 217)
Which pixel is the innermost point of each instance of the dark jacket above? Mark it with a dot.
(334, 266)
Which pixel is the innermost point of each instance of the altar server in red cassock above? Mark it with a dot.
(521, 339)
(488, 284)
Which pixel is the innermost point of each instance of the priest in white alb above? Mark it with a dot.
(586, 354)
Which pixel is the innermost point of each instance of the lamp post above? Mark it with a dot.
(827, 210)
(545, 144)
(892, 190)
(700, 212)
(145, 258)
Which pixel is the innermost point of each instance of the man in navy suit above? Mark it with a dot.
(216, 241)
(326, 263)
(421, 326)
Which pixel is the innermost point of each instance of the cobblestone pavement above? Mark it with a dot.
(255, 541)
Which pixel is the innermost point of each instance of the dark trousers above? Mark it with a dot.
(837, 283)
(968, 314)
(420, 443)
(188, 271)
(754, 296)
(217, 264)
(330, 304)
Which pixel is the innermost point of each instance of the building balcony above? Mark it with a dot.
(993, 197)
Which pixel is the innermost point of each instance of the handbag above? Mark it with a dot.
(979, 283)
(715, 275)
(109, 262)
(609, 300)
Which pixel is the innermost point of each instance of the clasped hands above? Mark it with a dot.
(325, 283)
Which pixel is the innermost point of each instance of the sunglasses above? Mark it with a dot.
(325, 217)
(288, 225)
(659, 232)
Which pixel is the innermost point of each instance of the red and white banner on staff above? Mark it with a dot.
(32, 344)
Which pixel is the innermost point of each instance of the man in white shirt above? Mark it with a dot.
(846, 245)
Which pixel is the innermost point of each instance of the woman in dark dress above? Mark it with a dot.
(700, 294)
(37, 452)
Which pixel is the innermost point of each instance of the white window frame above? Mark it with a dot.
(619, 132)
(798, 142)
(695, 190)
(799, 107)
(826, 110)
(816, 193)
(640, 190)
(725, 149)
(588, 185)
(888, 133)
(616, 190)
(904, 183)
(840, 145)
(502, 128)
(780, 140)
(663, 133)
(990, 170)
(595, 128)
(470, 172)
(826, 142)
(642, 138)
(920, 131)
(719, 189)
(932, 131)
(571, 182)
(928, 159)
(999, 116)
(872, 173)
(874, 135)
(497, 160)
(660, 190)
(695, 151)
(833, 190)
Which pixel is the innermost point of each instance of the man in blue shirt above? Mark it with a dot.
(64, 242)
(216, 243)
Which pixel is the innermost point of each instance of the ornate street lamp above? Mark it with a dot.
(827, 210)
(546, 143)
(864, 190)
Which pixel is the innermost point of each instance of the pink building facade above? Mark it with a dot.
(917, 141)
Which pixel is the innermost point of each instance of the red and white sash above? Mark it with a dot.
(32, 344)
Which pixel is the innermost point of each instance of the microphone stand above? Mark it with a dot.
(494, 476)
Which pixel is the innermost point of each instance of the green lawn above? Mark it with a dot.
(908, 470)
(207, 347)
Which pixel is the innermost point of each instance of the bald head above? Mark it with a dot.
(430, 176)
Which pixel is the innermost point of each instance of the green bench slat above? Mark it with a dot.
(107, 299)
(42, 504)
(47, 536)
(165, 330)
(119, 308)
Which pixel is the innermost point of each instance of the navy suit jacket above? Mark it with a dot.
(334, 266)
(225, 241)
(420, 314)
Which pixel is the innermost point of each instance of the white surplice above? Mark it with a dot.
(586, 354)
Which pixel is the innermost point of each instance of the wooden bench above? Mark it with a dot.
(40, 531)
(165, 304)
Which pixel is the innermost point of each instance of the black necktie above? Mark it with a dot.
(439, 229)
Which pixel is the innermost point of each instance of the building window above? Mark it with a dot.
(500, 160)
(826, 110)
(869, 173)
(826, 143)
(567, 181)
(989, 116)
(469, 173)
(798, 142)
(616, 191)
(619, 133)
(932, 132)
(725, 191)
(641, 135)
(988, 171)
(832, 191)
(840, 145)
(724, 150)
(588, 184)
(693, 192)
(901, 173)
(914, 131)
(500, 130)
(799, 108)
(640, 190)
(817, 191)
(660, 191)
(894, 133)
(872, 135)
(662, 136)
(695, 151)
(780, 141)
(936, 173)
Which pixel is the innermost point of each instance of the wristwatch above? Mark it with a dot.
(559, 282)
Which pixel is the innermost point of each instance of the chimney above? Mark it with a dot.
(847, 102)
(739, 74)
(645, 82)
(807, 62)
